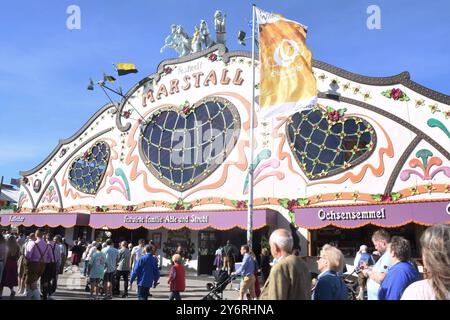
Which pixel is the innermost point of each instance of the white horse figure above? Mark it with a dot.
(169, 42)
(182, 41)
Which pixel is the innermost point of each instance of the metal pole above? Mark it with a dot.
(106, 93)
(252, 117)
(123, 97)
(1, 185)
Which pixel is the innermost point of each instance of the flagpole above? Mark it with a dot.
(123, 97)
(252, 117)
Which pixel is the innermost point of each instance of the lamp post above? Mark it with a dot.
(252, 129)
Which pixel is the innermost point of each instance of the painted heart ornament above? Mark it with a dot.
(183, 145)
(87, 171)
(325, 142)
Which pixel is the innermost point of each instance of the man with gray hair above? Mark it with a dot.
(289, 278)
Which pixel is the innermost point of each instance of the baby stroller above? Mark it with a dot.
(351, 285)
(221, 280)
(101, 288)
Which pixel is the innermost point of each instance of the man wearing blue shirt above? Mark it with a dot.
(247, 271)
(402, 272)
(147, 273)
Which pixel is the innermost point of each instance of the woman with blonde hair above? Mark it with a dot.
(177, 278)
(330, 285)
(435, 243)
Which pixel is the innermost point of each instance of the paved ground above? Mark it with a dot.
(71, 287)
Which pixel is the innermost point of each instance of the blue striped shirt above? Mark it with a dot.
(248, 266)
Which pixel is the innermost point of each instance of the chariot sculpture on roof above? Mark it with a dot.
(183, 44)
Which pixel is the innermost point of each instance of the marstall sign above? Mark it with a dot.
(351, 215)
(165, 219)
(199, 79)
(388, 215)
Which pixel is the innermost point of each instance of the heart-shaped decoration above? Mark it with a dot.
(86, 172)
(325, 142)
(183, 145)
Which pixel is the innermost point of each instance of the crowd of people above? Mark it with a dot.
(33, 264)
(105, 267)
(389, 273)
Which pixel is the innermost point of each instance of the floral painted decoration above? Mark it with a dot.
(212, 57)
(447, 114)
(180, 205)
(129, 208)
(100, 209)
(395, 94)
(414, 190)
(291, 204)
(168, 70)
(127, 114)
(186, 108)
(387, 197)
(240, 204)
(446, 188)
(335, 115)
(430, 188)
(63, 152)
(86, 155)
(303, 201)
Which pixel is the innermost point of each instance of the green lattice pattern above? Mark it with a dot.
(87, 171)
(182, 149)
(323, 146)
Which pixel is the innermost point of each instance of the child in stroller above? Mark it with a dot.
(221, 280)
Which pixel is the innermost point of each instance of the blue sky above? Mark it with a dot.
(45, 67)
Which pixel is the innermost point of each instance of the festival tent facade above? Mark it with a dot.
(170, 162)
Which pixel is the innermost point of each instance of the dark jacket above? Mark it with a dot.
(330, 287)
(265, 266)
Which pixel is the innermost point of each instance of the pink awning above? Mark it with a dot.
(53, 220)
(388, 215)
(195, 220)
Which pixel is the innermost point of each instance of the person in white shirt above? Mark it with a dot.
(376, 275)
(137, 252)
